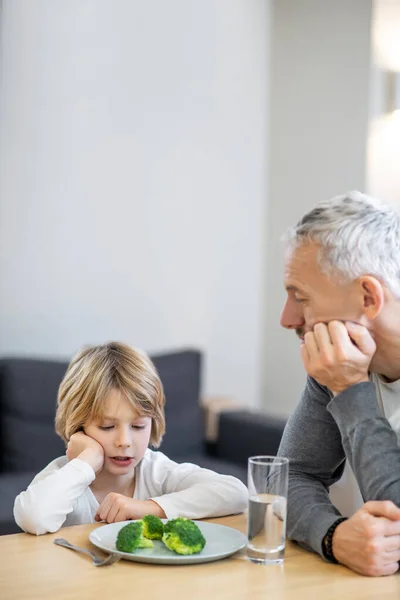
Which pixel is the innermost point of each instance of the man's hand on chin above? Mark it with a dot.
(338, 355)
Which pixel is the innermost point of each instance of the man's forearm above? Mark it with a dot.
(369, 442)
(312, 443)
(310, 512)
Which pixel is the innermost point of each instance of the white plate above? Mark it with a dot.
(221, 542)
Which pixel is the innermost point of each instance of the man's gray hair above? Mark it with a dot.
(358, 235)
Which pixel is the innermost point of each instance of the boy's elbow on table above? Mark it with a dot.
(31, 520)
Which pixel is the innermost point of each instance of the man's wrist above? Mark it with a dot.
(327, 542)
(343, 389)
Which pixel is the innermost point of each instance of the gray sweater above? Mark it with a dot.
(320, 435)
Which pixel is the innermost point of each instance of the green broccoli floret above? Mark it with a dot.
(130, 538)
(183, 536)
(153, 527)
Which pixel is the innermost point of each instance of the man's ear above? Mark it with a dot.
(373, 296)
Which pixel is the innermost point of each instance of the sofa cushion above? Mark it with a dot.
(258, 434)
(224, 467)
(10, 486)
(180, 373)
(27, 403)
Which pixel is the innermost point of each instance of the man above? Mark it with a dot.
(342, 277)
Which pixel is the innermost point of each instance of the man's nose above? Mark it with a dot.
(292, 316)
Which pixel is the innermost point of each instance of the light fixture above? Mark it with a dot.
(386, 38)
(384, 130)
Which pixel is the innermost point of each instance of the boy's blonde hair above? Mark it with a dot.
(97, 370)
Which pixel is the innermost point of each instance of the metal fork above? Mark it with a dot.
(98, 561)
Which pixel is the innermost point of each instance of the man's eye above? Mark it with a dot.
(299, 300)
(106, 427)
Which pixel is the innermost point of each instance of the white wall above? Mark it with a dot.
(133, 179)
(383, 179)
(319, 112)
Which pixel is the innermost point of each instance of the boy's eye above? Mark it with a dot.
(108, 427)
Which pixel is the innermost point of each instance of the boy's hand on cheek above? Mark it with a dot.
(117, 507)
(86, 448)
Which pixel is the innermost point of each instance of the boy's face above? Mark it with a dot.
(123, 434)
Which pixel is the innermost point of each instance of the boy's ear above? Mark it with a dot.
(373, 296)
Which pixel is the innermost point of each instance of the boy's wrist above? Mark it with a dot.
(92, 458)
(155, 509)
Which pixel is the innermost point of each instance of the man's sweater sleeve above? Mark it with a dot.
(312, 443)
(370, 443)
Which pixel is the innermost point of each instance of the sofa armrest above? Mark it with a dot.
(243, 433)
(212, 407)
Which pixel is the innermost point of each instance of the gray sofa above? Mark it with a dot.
(28, 392)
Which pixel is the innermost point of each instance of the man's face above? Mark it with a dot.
(313, 297)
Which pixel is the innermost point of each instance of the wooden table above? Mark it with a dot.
(33, 567)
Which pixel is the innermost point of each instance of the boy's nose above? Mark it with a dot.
(123, 444)
(123, 440)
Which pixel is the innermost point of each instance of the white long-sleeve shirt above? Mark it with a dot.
(60, 495)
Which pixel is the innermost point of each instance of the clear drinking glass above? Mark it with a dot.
(266, 528)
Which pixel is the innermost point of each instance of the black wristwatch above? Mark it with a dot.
(327, 541)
